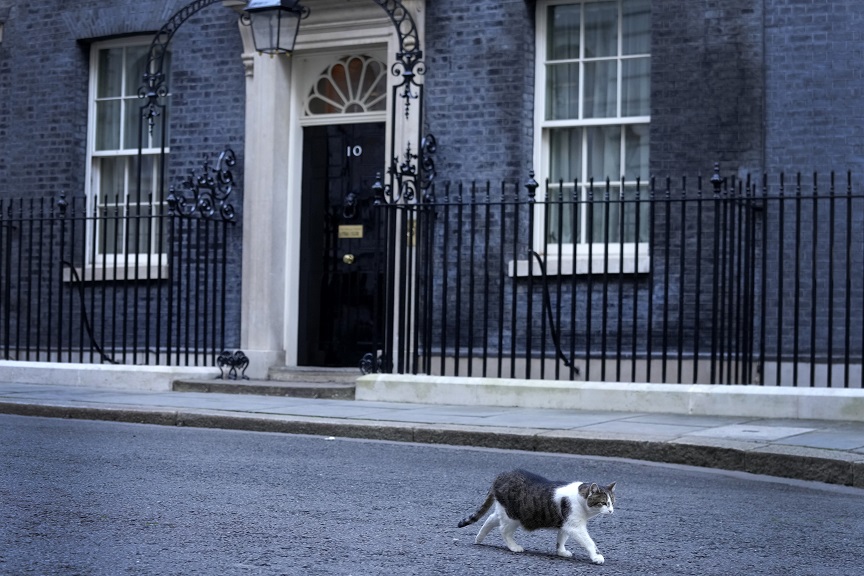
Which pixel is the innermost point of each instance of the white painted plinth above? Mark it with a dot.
(114, 376)
(697, 399)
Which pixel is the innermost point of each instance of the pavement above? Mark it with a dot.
(814, 450)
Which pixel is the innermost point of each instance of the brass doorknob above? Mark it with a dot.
(348, 258)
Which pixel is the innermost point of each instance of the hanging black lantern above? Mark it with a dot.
(275, 24)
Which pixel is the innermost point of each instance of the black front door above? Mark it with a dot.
(340, 265)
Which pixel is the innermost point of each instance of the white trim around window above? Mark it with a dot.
(116, 74)
(592, 114)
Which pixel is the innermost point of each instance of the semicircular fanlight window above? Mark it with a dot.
(353, 85)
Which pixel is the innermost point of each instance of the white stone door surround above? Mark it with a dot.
(276, 89)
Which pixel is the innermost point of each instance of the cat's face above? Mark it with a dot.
(601, 499)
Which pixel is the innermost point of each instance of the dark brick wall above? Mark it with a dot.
(44, 79)
(707, 86)
(814, 54)
(44, 103)
(814, 70)
(758, 85)
(5, 81)
(480, 87)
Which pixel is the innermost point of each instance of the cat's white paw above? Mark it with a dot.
(598, 559)
(516, 548)
(563, 552)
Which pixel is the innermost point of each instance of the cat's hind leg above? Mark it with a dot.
(508, 528)
(562, 539)
(491, 522)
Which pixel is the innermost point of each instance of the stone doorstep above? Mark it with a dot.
(295, 382)
(313, 374)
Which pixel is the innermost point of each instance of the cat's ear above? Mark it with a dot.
(594, 489)
(611, 487)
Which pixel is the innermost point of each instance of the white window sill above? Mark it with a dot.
(631, 262)
(120, 273)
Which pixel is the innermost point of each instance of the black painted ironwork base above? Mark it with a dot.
(369, 364)
(235, 361)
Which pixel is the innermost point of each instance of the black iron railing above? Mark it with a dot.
(114, 282)
(715, 280)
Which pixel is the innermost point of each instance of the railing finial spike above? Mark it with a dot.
(531, 185)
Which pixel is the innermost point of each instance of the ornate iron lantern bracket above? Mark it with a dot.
(155, 86)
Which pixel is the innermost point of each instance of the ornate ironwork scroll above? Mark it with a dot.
(411, 176)
(410, 56)
(210, 191)
(414, 171)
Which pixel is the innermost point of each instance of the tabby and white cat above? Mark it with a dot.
(533, 502)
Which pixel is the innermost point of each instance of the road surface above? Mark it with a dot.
(101, 498)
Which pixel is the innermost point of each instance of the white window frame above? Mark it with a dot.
(118, 265)
(578, 258)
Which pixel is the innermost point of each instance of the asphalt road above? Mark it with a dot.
(79, 497)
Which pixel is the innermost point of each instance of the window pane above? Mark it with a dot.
(108, 125)
(106, 242)
(601, 89)
(139, 229)
(601, 29)
(635, 87)
(154, 139)
(561, 213)
(339, 79)
(112, 177)
(148, 179)
(565, 154)
(635, 215)
(563, 34)
(604, 152)
(374, 87)
(636, 146)
(597, 208)
(131, 123)
(160, 238)
(133, 193)
(560, 231)
(614, 206)
(110, 73)
(136, 63)
(636, 24)
(562, 91)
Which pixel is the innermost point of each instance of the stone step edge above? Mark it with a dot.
(317, 375)
(330, 390)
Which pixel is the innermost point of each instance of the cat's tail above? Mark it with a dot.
(480, 511)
